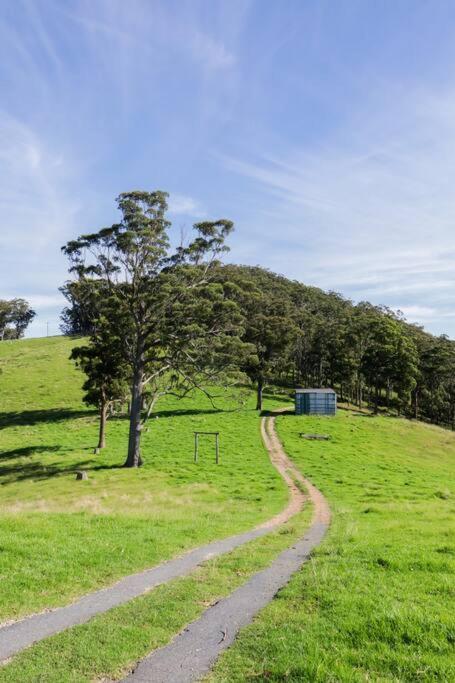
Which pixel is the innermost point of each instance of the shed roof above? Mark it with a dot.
(314, 391)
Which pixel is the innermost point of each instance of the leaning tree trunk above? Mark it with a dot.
(259, 394)
(103, 419)
(134, 440)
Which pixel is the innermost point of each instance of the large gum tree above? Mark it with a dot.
(177, 327)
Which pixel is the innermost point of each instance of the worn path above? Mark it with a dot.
(193, 652)
(19, 635)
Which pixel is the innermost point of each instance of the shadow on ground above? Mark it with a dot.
(280, 398)
(268, 413)
(184, 412)
(26, 451)
(38, 471)
(33, 417)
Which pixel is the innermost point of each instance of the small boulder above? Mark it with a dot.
(81, 474)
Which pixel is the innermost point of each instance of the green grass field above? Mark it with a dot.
(61, 538)
(376, 603)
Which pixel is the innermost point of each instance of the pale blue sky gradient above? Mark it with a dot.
(325, 130)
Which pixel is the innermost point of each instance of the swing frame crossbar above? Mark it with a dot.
(217, 445)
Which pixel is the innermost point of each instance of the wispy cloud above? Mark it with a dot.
(372, 210)
(39, 217)
(210, 52)
(30, 197)
(333, 174)
(144, 28)
(182, 204)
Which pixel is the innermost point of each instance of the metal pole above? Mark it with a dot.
(217, 450)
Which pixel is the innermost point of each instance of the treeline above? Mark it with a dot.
(304, 336)
(163, 320)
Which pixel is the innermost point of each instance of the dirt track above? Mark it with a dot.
(193, 652)
(16, 636)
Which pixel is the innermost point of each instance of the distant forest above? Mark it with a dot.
(303, 336)
(166, 320)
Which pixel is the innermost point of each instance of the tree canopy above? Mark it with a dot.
(175, 325)
(15, 316)
(166, 320)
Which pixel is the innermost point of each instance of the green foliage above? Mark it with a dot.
(269, 327)
(106, 374)
(15, 317)
(175, 328)
(302, 335)
(83, 296)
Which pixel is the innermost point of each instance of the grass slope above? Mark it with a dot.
(376, 601)
(61, 538)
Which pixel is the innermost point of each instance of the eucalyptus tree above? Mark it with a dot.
(106, 374)
(83, 295)
(176, 327)
(15, 317)
(390, 358)
(269, 327)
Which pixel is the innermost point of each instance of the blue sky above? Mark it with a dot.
(325, 130)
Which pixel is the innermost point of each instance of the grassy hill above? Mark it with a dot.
(374, 604)
(61, 537)
(377, 601)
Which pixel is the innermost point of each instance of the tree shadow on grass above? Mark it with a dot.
(277, 397)
(39, 472)
(33, 417)
(101, 468)
(26, 451)
(271, 413)
(185, 412)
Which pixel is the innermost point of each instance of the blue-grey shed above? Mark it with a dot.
(315, 402)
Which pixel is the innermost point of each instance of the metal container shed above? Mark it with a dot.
(315, 402)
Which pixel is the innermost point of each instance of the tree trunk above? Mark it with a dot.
(416, 403)
(259, 394)
(376, 399)
(103, 420)
(134, 440)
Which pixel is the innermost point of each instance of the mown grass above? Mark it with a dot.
(61, 538)
(376, 602)
(109, 646)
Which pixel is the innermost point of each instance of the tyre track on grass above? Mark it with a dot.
(18, 635)
(193, 652)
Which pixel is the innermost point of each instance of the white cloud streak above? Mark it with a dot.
(372, 211)
(182, 204)
(30, 197)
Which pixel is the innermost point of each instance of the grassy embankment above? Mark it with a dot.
(61, 538)
(376, 603)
